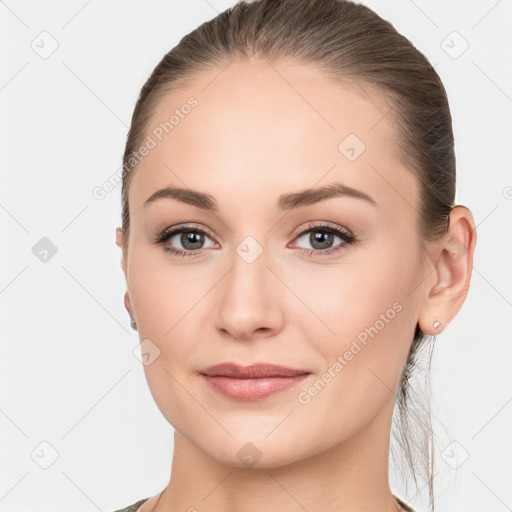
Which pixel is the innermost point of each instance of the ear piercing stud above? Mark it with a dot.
(133, 325)
(436, 324)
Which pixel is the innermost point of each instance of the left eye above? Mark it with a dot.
(323, 238)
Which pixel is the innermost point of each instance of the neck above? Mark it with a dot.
(349, 477)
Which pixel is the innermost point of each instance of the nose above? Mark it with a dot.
(251, 300)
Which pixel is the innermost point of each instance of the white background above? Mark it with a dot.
(68, 374)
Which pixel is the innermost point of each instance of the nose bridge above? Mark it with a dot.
(249, 266)
(249, 295)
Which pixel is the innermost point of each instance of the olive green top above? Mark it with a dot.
(400, 502)
(135, 506)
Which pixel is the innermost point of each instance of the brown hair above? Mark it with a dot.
(346, 41)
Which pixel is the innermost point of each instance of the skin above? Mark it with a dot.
(251, 138)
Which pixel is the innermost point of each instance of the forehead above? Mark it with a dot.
(257, 126)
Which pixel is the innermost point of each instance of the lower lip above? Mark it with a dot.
(252, 389)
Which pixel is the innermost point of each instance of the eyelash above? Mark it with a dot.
(347, 237)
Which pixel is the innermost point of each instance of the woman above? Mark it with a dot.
(289, 240)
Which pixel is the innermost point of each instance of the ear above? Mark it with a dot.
(119, 243)
(453, 256)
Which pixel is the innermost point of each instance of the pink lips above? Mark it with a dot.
(253, 382)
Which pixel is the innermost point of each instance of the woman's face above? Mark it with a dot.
(264, 282)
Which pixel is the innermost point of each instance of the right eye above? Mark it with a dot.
(190, 238)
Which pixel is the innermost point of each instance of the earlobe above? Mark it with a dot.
(452, 269)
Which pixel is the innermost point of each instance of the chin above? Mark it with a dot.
(254, 452)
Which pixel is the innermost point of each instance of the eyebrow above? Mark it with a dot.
(285, 202)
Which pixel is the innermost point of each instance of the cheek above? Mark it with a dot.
(168, 304)
(161, 293)
(366, 328)
(361, 311)
(342, 300)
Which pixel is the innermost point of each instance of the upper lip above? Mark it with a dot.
(253, 371)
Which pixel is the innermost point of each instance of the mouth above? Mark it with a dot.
(253, 382)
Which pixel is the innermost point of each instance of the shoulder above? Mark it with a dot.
(134, 507)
